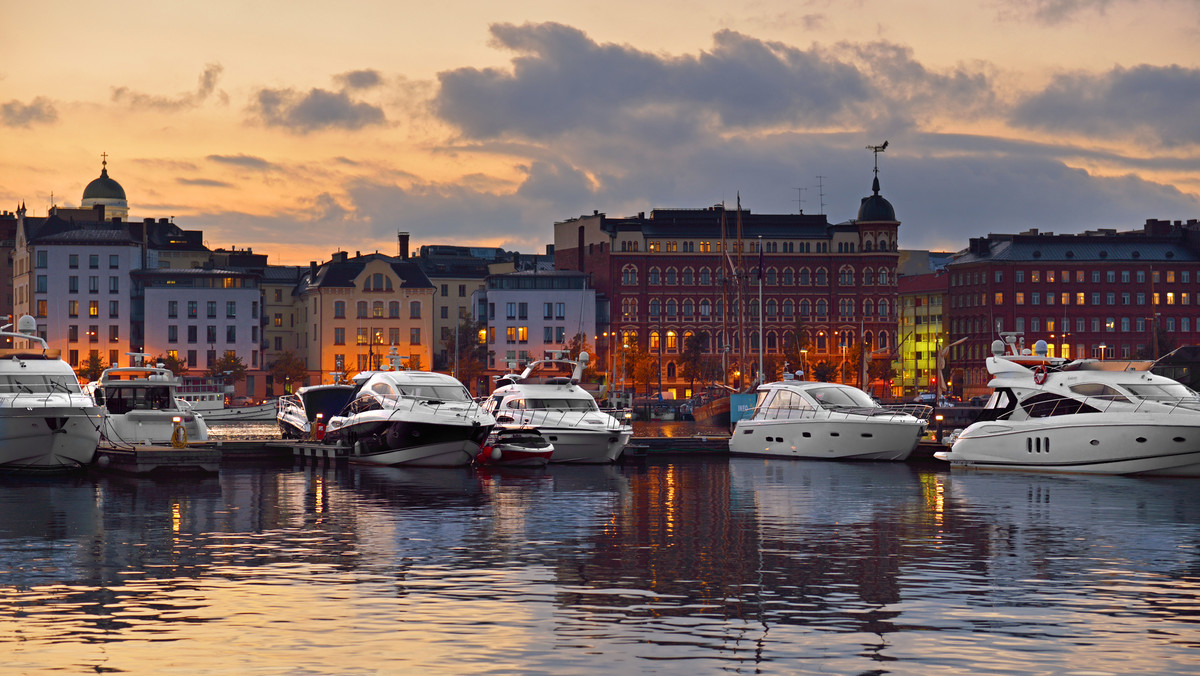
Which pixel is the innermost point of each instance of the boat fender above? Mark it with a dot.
(1039, 375)
(495, 454)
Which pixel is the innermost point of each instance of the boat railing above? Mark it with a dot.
(613, 419)
(895, 411)
(287, 400)
(1046, 406)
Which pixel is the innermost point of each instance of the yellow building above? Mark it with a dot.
(920, 334)
(355, 310)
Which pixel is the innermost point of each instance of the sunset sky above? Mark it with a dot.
(299, 128)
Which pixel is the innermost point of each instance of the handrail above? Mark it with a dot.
(538, 417)
(920, 411)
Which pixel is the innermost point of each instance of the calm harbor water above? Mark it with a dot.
(701, 566)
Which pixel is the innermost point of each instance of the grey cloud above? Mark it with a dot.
(39, 111)
(204, 182)
(359, 79)
(206, 88)
(562, 80)
(243, 161)
(1156, 105)
(315, 110)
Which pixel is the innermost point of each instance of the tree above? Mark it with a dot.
(691, 360)
(93, 367)
(290, 370)
(173, 364)
(794, 344)
(594, 371)
(823, 371)
(229, 368)
(469, 342)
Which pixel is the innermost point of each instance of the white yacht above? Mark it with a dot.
(304, 414)
(141, 406)
(1085, 416)
(804, 419)
(47, 421)
(546, 396)
(412, 418)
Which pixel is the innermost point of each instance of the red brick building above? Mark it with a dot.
(1099, 294)
(678, 273)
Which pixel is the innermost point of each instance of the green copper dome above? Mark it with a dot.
(104, 188)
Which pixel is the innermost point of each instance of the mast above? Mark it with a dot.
(741, 317)
(724, 300)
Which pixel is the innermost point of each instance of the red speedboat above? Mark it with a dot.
(514, 447)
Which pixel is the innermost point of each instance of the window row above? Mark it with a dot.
(788, 308)
(367, 310)
(1077, 276)
(376, 336)
(773, 276)
(717, 342)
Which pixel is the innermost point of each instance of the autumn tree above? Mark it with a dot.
(469, 343)
(290, 370)
(92, 367)
(173, 364)
(228, 368)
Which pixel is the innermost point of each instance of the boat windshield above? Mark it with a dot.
(39, 384)
(549, 404)
(429, 392)
(1099, 390)
(841, 397)
(1163, 392)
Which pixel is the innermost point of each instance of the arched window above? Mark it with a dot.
(884, 310)
(629, 309)
(339, 309)
(671, 370)
(883, 339)
(868, 277)
(805, 279)
(772, 276)
(883, 276)
(867, 338)
(654, 307)
(705, 276)
(672, 341)
(655, 276)
(705, 308)
(629, 275)
(846, 276)
(671, 276)
(805, 308)
(414, 309)
(868, 308)
(789, 308)
(788, 277)
(867, 245)
(771, 307)
(772, 341)
(377, 281)
(822, 308)
(687, 277)
(822, 277)
(688, 307)
(719, 308)
(362, 309)
(654, 344)
(671, 307)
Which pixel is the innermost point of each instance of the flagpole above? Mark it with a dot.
(761, 312)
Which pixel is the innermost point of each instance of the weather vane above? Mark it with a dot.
(878, 149)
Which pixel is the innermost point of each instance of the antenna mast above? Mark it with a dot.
(821, 191)
(800, 199)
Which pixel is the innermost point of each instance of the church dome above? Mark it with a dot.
(875, 207)
(104, 188)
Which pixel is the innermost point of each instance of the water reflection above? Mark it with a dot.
(742, 564)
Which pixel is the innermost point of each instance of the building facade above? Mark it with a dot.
(528, 314)
(356, 309)
(920, 334)
(683, 273)
(1100, 294)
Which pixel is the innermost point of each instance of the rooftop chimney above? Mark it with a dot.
(402, 243)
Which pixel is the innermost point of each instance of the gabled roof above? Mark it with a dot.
(342, 271)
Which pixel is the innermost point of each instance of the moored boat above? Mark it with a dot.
(410, 418)
(804, 419)
(140, 406)
(303, 415)
(1082, 416)
(47, 421)
(514, 447)
(546, 396)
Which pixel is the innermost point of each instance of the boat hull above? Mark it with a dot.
(412, 443)
(828, 439)
(1088, 444)
(260, 412)
(586, 446)
(152, 427)
(51, 438)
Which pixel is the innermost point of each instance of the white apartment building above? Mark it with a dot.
(531, 313)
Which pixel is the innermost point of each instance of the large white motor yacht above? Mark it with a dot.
(1086, 416)
(410, 418)
(546, 396)
(141, 406)
(805, 419)
(47, 421)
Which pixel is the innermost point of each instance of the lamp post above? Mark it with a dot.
(804, 361)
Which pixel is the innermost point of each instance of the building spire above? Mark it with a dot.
(104, 164)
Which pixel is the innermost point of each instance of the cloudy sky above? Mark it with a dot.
(299, 128)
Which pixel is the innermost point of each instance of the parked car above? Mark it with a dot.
(931, 399)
